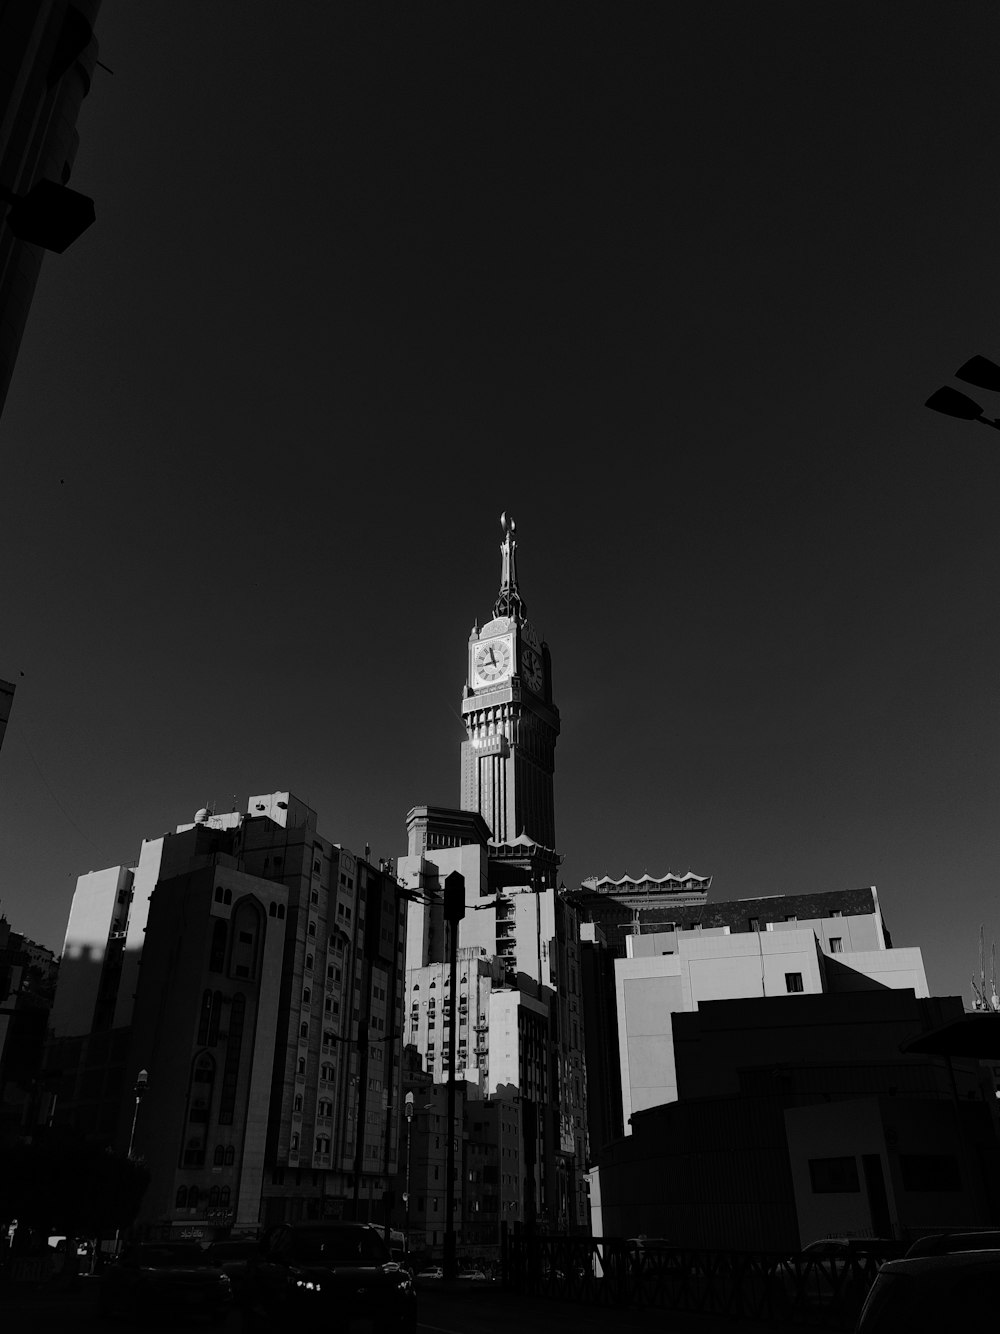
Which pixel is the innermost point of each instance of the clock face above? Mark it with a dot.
(491, 662)
(531, 670)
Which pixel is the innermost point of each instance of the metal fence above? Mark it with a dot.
(825, 1291)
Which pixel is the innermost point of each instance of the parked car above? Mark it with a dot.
(933, 1292)
(170, 1275)
(432, 1271)
(472, 1275)
(233, 1256)
(834, 1272)
(327, 1274)
(947, 1243)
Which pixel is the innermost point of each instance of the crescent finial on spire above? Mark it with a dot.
(509, 601)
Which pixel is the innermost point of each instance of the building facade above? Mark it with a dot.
(253, 970)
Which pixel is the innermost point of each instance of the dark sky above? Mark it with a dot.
(670, 283)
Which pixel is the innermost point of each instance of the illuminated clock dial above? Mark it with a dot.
(531, 670)
(492, 661)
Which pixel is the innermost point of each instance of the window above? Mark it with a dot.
(224, 1197)
(217, 953)
(181, 1199)
(791, 917)
(312, 928)
(230, 1158)
(213, 1197)
(272, 910)
(304, 1028)
(297, 1103)
(231, 1069)
(793, 982)
(306, 996)
(309, 962)
(218, 1155)
(294, 1144)
(754, 924)
(301, 1067)
(227, 896)
(836, 944)
(193, 1198)
(834, 1176)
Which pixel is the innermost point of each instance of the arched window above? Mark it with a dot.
(248, 928)
(294, 1144)
(213, 1023)
(224, 1197)
(230, 1155)
(303, 1030)
(234, 1050)
(193, 1198)
(218, 1155)
(312, 928)
(431, 988)
(213, 1197)
(272, 910)
(309, 962)
(227, 897)
(302, 1065)
(297, 1103)
(181, 1199)
(204, 1017)
(217, 954)
(218, 893)
(306, 996)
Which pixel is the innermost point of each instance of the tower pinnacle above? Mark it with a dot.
(509, 601)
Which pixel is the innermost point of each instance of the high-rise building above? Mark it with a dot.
(253, 970)
(519, 1010)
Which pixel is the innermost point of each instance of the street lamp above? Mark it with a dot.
(141, 1085)
(408, 1109)
(983, 373)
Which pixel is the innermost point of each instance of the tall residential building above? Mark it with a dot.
(518, 1009)
(254, 970)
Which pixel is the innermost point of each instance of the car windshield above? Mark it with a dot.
(343, 1245)
(170, 1255)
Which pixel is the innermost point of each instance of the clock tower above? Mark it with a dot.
(508, 759)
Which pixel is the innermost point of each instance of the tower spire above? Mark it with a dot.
(509, 601)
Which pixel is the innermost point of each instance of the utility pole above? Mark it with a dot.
(408, 1106)
(361, 1124)
(454, 911)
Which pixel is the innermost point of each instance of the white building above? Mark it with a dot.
(671, 972)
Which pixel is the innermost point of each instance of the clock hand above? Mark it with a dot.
(493, 658)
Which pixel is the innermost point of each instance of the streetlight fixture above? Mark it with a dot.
(49, 215)
(141, 1087)
(409, 1109)
(982, 373)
